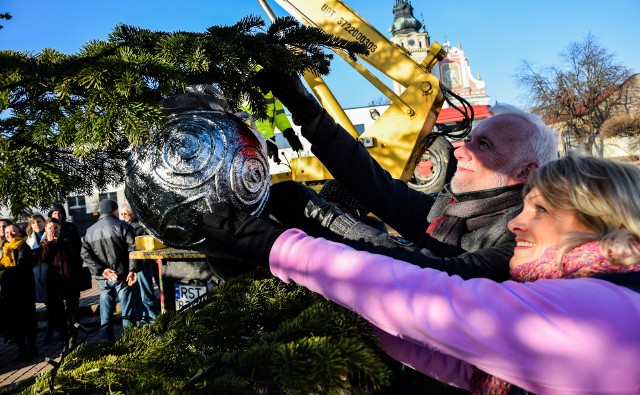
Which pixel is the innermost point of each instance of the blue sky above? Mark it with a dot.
(496, 36)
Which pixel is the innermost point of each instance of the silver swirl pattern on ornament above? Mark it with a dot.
(199, 158)
(189, 151)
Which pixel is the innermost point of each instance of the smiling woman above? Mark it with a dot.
(538, 333)
(539, 226)
(579, 221)
(586, 200)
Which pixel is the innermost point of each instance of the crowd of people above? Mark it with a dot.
(43, 263)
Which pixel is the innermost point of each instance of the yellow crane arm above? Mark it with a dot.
(395, 136)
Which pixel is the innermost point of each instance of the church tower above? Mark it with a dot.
(453, 71)
(408, 32)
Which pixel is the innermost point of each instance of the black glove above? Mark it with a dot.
(295, 205)
(287, 202)
(236, 232)
(272, 150)
(293, 139)
(290, 91)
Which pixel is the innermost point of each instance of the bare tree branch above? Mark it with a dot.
(579, 93)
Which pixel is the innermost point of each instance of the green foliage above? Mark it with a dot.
(5, 16)
(247, 337)
(75, 116)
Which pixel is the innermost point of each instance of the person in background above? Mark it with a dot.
(18, 294)
(4, 222)
(35, 232)
(567, 323)
(148, 305)
(276, 118)
(67, 229)
(63, 281)
(105, 250)
(35, 235)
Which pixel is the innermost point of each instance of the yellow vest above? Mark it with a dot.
(276, 118)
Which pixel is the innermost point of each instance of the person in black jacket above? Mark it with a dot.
(105, 250)
(463, 229)
(17, 293)
(67, 229)
(63, 281)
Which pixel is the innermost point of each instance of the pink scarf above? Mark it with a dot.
(585, 260)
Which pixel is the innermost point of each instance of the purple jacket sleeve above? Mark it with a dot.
(575, 336)
(426, 359)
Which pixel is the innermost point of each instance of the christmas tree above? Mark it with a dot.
(68, 124)
(247, 336)
(68, 121)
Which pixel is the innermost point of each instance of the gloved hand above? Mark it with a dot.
(238, 233)
(293, 139)
(295, 205)
(292, 93)
(272, 150)
(287, 202)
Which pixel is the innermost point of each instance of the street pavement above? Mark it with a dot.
(12, 373)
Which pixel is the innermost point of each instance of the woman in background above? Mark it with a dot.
(4, 222)
(63, 281)
(35, 235)
(18, 295)
(35, 232)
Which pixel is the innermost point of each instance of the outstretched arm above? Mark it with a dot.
(349, 162)
(298, 206)
(427, 360)
(548, 336)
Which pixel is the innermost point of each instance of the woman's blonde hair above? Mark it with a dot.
(603, 194)
(32, 219)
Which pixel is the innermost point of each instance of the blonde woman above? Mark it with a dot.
(568, 323)
(35, 231)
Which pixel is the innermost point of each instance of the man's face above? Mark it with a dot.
(485, 161)
(127, 214)
(57, 215)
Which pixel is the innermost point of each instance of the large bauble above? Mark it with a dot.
(199, 158)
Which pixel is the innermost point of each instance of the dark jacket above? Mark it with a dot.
(107, 244)
(67, 229)
(137, 227)
(62, 260)
(484, 252)
(18, 294)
